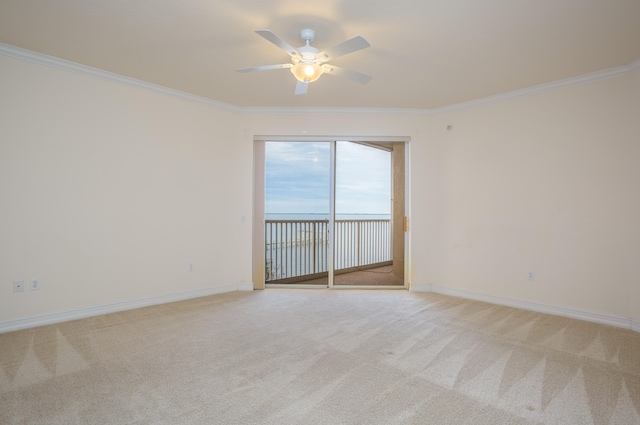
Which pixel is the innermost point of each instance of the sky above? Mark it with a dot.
(297, 178)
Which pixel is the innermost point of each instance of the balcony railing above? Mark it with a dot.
(298, 250)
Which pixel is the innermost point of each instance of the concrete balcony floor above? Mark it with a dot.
(379, 276)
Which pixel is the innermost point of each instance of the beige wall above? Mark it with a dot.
(546, 183)
(109, 191)
(635, 229)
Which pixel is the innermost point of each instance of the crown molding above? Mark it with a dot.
(328, 110)
(39, 58)
(515, 94)
(66, 65)
(328, 138)
(541, 88)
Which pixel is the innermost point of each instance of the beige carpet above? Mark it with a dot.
(287, 356)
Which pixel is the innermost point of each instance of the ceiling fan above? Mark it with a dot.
(308, 63)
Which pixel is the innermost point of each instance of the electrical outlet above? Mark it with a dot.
(192, 267)
(35, 284)
(531, 276)
(18, 286)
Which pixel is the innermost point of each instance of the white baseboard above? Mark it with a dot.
(421, 287)
(574, 313)
(84, 312)
(244, 287)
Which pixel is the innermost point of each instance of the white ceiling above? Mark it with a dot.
(423, 54)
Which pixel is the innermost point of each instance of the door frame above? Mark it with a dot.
(258, 210)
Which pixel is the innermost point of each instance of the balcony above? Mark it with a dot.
(297, 251)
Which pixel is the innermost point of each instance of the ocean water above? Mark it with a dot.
(315, 216)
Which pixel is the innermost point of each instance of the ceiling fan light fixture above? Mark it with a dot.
(308, 63)
(306, 72)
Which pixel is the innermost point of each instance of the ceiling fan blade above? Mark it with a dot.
(265, 67)
(301, 88)
(346, 47)
(346, 73)
(278, 42)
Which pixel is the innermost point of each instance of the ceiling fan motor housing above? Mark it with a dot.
(308, 35)
(308, 53)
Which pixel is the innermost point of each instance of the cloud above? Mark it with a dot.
(297, 178)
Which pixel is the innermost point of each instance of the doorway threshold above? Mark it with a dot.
(296, 286)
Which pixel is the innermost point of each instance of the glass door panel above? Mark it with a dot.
(297, 213)
(364, 234)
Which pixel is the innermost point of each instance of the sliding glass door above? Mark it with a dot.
(329, 214)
